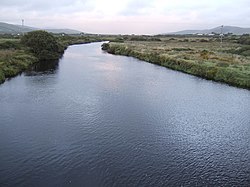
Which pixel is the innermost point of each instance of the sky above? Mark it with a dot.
(126, 16)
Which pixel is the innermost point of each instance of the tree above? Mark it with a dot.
(43, 44)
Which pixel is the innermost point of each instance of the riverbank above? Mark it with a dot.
(16, 57)
(13, 62)
(204, 59)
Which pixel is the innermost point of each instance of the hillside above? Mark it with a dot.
(66, 31)
(6, 28)
(226, 29)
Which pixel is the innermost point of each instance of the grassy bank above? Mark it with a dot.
(13, 62)
(205, 58)
(15, 57)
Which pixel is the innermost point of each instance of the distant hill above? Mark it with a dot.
(66, 31)
(6, 28)
(226, 29)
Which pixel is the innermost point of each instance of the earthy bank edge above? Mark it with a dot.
(215, 73)
(16, 57)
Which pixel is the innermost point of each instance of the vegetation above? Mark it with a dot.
(43, 44)
(18, 53)
(13, 62)
(194, 56)
(200, 56)
(244, 49)
(9, 44)
(244, 39)
(67, 40)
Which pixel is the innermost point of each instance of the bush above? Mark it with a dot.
(204, 54)
(181, 49)
(244, 39)
(245, 51)
(2, 77)
(105, 46)
(9, 45)
(43, 44)
(203, 40)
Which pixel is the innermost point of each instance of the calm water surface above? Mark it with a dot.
(96, 119)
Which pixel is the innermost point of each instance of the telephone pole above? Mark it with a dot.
(221, 35)
(23, 26)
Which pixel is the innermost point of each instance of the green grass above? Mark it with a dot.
(204, 59)
(13, 62)
(14, 58)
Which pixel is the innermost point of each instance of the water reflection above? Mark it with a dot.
(43, 67)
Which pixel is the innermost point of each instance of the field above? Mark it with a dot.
(206, 57)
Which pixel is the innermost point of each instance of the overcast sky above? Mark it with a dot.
(127, 16)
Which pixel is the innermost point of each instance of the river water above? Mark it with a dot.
(95, 119)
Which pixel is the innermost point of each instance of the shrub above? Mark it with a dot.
(244, 39)
(204, 54)
(43, 44)
(181, 49)
(245, 51)
(2, 77)
(9, 45)
(203, 40)
(105, 46)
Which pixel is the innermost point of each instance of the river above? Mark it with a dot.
(96, 119)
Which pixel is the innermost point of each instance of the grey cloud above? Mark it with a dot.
(170, 15)
(46, 5)
(37, 13)
(136, 7)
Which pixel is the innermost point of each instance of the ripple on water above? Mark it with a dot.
(104, 120)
